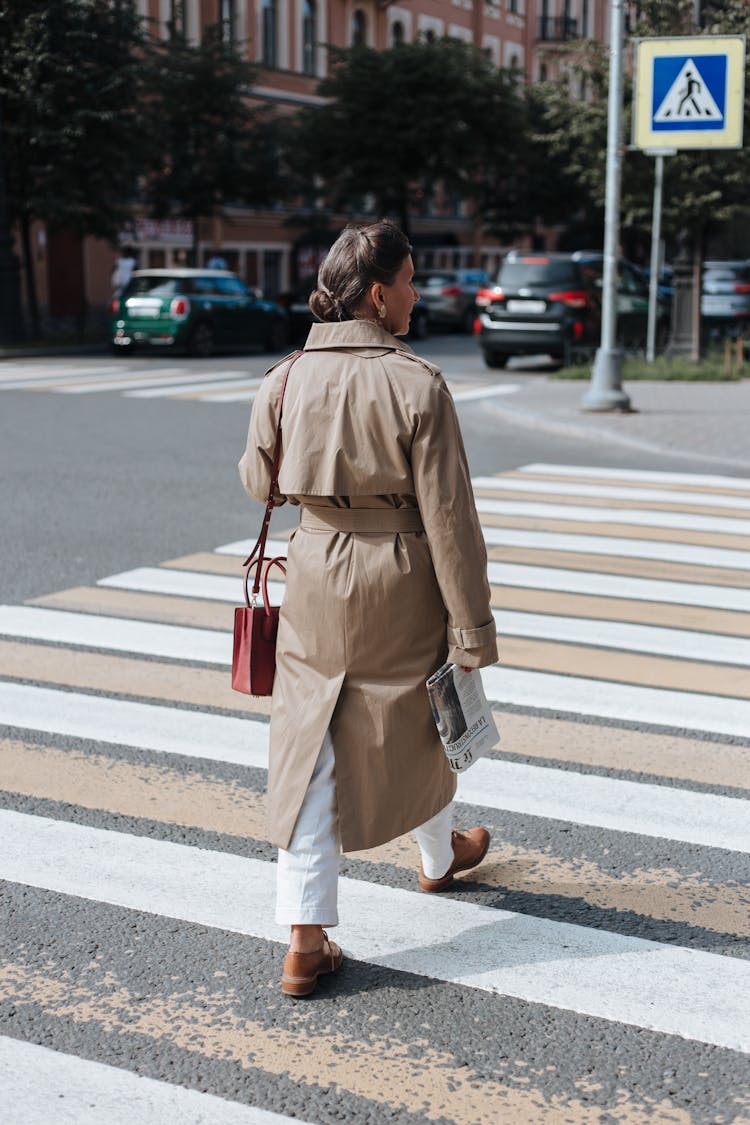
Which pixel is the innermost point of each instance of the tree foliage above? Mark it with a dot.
(209, 146)
(399, 121)
(70, 77)
(701, 188)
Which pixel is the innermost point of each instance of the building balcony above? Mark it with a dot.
(557, 29)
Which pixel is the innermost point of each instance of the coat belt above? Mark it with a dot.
(365, 520)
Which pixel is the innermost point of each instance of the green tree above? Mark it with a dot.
(702, 188)
(209, 145)
(399, 121)
(70, 76)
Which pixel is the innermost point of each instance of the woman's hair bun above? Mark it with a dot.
(324, 305)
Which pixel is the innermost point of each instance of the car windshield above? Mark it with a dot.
(153, 287)
(434, 280)
(529, 271)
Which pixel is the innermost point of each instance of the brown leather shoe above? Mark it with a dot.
(301, 970)
(469, 849)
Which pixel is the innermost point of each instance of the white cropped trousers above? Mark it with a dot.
(307, 874)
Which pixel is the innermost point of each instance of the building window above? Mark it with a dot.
(584, 17)
(542, 72)
(359, 29)
(513, 7)
(397, 33)
(309, 35)
(429, 35)
(227, 20)
(270, 32)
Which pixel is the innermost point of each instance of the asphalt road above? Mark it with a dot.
(597, 967)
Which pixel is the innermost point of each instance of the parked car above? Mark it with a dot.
(450, 296)
(725, 297)
(201, 311)
(296, 302)
(551, 304)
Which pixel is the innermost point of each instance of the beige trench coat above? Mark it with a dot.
(368, 615)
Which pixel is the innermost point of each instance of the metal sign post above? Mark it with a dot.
(605, 391)
(689, 94)
(653, 283)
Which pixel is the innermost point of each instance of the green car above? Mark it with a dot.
(199, 311)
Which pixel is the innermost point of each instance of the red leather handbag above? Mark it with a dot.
(256, 626)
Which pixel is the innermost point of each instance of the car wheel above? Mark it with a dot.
(202, 340)
(277, 338)
(467, 322)
(495, 360)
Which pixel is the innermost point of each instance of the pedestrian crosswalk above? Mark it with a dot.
(212, 385)
(597, 967)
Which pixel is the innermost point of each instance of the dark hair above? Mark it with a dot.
(360, 257)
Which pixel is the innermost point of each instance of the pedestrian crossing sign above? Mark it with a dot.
(689, 92)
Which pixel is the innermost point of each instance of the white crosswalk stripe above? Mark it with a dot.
(661, 682)
(222, 385)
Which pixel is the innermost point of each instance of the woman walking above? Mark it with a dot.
(386, 579)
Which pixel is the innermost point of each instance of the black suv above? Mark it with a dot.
(550, 304)
(541, 304)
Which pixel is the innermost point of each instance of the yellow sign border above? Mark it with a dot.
(646, 50)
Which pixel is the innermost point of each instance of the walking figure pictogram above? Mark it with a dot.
(693, 87)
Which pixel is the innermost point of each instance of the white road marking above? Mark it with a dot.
(229, 396)
(622, 636)
(682, 992)
(158, 386)
(70, 375)
(603, 699)
(45, 1087)
(616, 548)
(696, 479)
(611, 492)
(146, 726)
(622, 806)
(193, 584)
(236, 379)
(243, 547)
(118, 634)
(489, 391)
(187, 584)
(619, 586)
(583, 544)
(214, 646)
(643, 517)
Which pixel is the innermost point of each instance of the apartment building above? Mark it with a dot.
(287, 40)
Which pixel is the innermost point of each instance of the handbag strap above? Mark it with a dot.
(258, 551)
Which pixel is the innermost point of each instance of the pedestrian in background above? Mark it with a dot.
(386, 579)
(123, 271)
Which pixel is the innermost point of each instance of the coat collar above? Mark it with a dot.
(353, 334)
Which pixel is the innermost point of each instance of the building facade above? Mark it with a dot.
(286, 40)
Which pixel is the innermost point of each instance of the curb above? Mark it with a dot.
(590, 433)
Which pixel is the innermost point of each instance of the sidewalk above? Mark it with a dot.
(704, 421)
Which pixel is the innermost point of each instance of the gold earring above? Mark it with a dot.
(382, 312)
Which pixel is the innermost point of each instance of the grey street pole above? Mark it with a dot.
(653, 283)
(605, 391)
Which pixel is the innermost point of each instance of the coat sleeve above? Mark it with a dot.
(446, 501)
(257, 460)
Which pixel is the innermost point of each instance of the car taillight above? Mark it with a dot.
(451, 291)
(485, 297)
(114, 306)
(578, 330)
(477, 327)
(742, 287)
(180, 307)
(573, 298)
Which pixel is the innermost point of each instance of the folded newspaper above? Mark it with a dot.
(462, 715)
